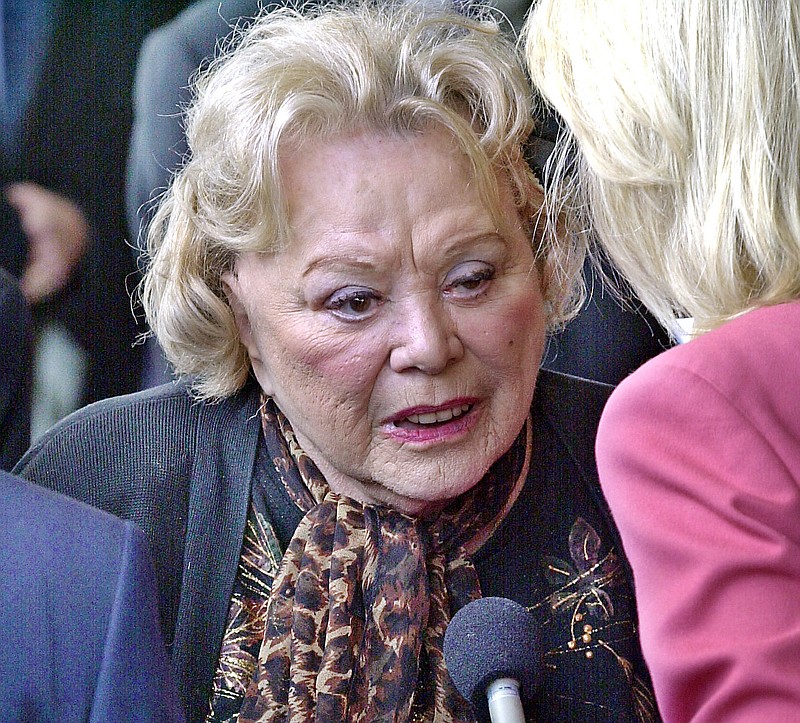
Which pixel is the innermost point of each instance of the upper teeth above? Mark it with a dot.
(443, 415)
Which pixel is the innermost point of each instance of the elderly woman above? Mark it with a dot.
(688, 171)
(347, 276)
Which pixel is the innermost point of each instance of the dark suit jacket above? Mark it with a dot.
(15, 372)
(79, 635)
(74, 142)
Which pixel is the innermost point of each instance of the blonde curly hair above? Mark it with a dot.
(295, 75)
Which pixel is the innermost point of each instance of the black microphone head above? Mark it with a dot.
(492, 638)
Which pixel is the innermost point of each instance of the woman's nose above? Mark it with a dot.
(426, 337)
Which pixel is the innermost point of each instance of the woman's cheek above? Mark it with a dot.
(343, 364)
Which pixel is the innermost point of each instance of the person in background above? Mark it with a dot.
(15, 372)
(66, 70)
(168, 59)
(79, 630)
(349, 278)
(684, 164)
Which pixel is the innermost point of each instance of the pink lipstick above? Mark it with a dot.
(424, 423)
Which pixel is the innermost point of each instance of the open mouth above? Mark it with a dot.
(431, 419)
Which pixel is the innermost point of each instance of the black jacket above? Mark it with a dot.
(182, 470)
(16, 379)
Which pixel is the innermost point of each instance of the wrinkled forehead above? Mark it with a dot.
(491, 180)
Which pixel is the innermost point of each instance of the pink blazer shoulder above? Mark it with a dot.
(699, 457)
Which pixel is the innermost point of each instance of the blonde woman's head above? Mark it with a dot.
(295, 77)
(681, 153)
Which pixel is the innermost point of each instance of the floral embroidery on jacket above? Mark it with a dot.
(245, 628)
(583, 594)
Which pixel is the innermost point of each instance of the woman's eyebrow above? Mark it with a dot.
(339, 262)
(347, 257)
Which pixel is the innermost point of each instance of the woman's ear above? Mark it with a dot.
(232, 286)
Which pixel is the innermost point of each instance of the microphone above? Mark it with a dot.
(493, 653)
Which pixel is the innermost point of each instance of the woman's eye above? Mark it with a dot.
(353, 304)
(469, 280)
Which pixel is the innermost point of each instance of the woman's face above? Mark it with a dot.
(400, 331)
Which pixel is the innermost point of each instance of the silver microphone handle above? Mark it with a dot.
(505, 705)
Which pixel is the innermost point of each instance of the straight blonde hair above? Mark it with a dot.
(682, 153)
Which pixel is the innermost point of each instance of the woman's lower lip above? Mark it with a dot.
(427, 433)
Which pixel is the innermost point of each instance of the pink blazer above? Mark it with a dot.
(699, 457)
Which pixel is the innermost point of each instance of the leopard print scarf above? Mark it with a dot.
(358, 610)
